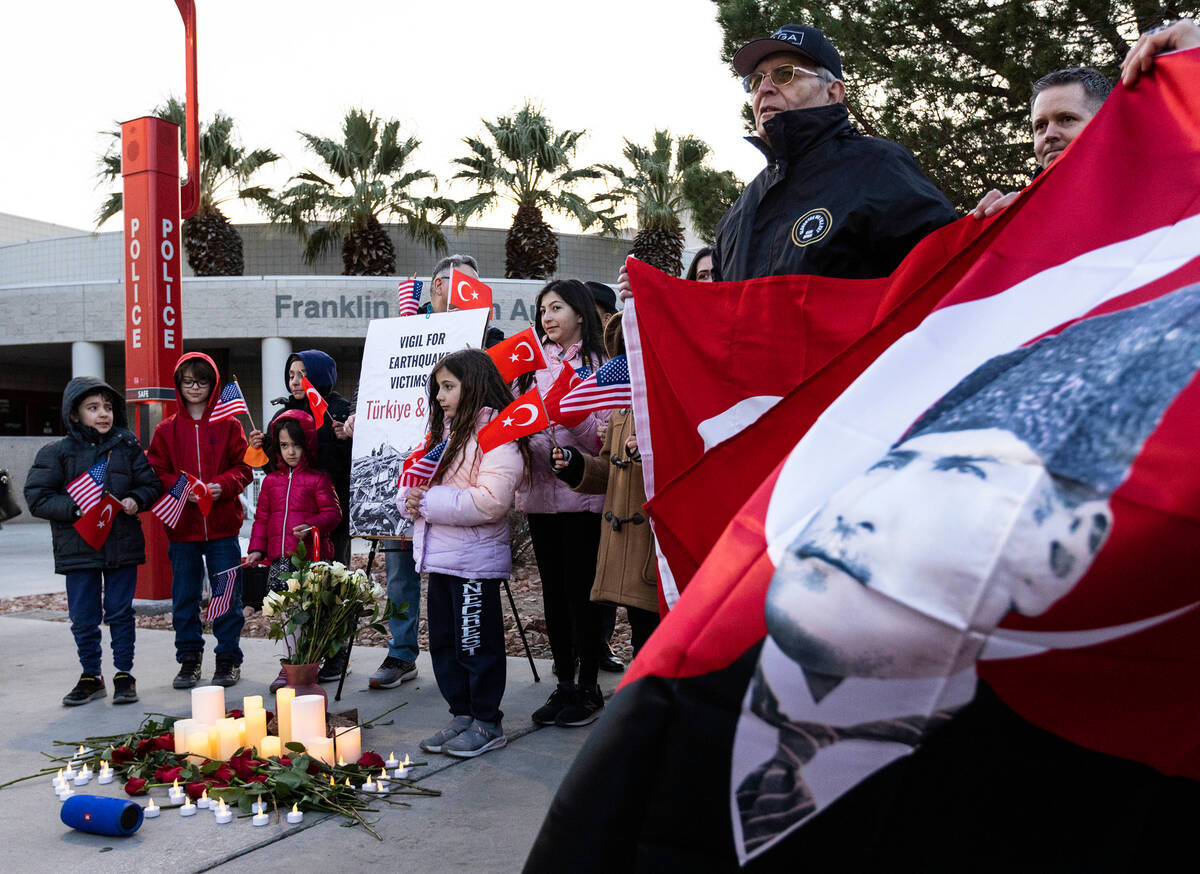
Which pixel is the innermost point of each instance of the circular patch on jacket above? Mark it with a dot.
(811, 227)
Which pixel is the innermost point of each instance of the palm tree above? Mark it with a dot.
(369, 180)
(530, 164)
(213, 245)
(667, 180)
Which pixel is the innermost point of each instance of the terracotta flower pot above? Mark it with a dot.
(303, 678)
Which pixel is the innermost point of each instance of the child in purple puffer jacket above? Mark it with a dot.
(461, 540)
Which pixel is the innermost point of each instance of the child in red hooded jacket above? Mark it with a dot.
(297, 502)
(213, 452)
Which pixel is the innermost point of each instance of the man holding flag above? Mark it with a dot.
(91, 485)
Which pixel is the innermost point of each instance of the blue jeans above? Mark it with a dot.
(84, 605)
(187, 576)
(403, 584)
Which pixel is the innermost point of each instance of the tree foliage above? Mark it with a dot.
(951, 79)
(367, 175)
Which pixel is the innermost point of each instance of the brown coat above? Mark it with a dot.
(625, 565)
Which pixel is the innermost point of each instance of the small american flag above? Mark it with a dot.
(607, 389)
(170, 506)
(230, 404)
(420, 466)
(222, 593)
(409, 293)
(86, 488)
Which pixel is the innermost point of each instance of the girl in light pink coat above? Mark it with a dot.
(461, 540)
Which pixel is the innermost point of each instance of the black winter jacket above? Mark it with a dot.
(831, 202)
(129, 476)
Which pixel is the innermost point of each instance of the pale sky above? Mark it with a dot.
(71, 68)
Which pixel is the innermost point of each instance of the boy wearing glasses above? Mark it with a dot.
(212, 452)
(831, 202)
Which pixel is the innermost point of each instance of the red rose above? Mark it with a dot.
(370, 760)
(245, 767)
(235, 714)
(168, 775)
(165, 742)
(136, 786)
(223, 774)
(257, 778)
(195, 790)
(285, 760)
(121, 755)
(145, 747)
(314, 767)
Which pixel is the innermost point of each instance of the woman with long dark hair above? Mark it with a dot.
(565, 525)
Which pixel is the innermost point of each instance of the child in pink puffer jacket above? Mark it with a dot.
(461, 540)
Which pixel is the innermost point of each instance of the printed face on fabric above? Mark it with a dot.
(803, 92)
(296, 374)
(912, 543)
(96, 411)
(1059, 114)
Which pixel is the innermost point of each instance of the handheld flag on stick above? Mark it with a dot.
(169, 507)
(95, 524)
(229, 404)
(409, 294)
(255, 457)
(222, 593)
(421, 464)
(85, 490)
(606, 389)
(519, 354)
(526, 415)
(204, 499)
(566, 380)
(467, 293)
(316, 403)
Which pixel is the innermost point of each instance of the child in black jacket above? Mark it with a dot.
(100, 582)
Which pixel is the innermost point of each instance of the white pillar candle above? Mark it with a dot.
(228, 741)
(308, 717)
(198, 746)
(183, 729)
(188, 808)
(320, 748)
(283, 712)
(151, 811)
(256, 728)
(269, 746)
(295, 815)
(240, 724)
(252, 702)
(208, 704)
(349, 744)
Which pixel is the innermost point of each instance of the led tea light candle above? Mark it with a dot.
(59, 780)
(270, 746)
(208, 704)
(349, 744)
(175, 793)
(295, 815)
(224, 814)
(106, 774)
(152, 810)
(188, 808)
(308, 718)
(401, 772)
(65, 793)
(69, 772)
(283, 712)
(392, 761)
(204, 800)
(83, 777)
(260, 816)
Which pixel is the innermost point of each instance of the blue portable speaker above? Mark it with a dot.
(102, 815)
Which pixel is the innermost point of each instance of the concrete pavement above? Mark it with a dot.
(485, 820)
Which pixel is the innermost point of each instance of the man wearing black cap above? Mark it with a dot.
(831, 201)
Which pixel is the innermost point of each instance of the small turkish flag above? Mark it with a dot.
(255, 457)
(566, 380)
(94, 525)
(316, 403)
(467, 293)
(204, 499)
(525, 415)
(519, 354)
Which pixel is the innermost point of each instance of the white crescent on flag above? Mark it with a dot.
(533, 414)
(106, 513)
(314, 397)
(523, 344)
(458, 289)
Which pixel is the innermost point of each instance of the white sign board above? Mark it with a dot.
(393, 407)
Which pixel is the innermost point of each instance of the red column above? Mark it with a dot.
(153, 322)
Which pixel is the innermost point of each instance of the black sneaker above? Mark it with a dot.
(547, 714)
(610, 662)
(88, 688)
(124, 688)
(583, 709)
(189, 671)
(331, 670)
(227, 673)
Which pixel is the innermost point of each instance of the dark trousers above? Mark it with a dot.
(466, 645)
(187, 585)
(95, 595)
(641, 625)
(565, 546)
